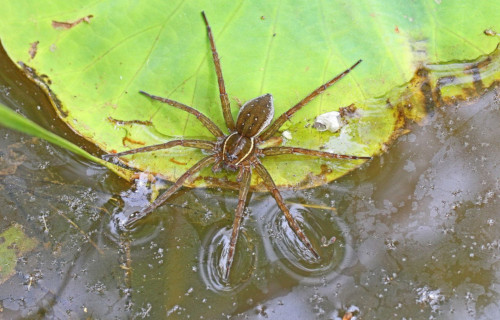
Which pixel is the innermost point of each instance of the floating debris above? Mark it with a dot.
(330, 121)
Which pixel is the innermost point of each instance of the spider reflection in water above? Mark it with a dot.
(238, 150)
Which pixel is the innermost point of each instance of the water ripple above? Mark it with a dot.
(213, 258)
(328, 234)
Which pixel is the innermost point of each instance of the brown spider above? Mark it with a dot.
(239, 150)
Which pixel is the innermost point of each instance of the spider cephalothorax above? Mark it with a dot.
(238, 150)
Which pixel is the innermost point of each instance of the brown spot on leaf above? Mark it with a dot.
(127, 139)
(129, 122)
(349, 112)
(68, 24)
(33, 49)
(46, 78)
(177, 162)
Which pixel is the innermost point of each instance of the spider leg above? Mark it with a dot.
(274, 151)
(200, 144)
(246, 174)
(273, 128)
(224, 100)
(209, 124)
(271, 186)
(170, 191)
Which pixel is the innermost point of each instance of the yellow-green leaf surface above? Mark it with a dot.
(13, 244)
(94, 57)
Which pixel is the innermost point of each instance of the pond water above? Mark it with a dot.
(413, 234)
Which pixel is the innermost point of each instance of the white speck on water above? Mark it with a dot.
(409, 166)
(433, 298)
(189, 291)
(174, 309)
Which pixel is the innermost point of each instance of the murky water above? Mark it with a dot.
(415, 233)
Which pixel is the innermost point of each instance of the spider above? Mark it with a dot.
(238, 150)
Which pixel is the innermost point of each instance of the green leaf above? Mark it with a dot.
(288, 48)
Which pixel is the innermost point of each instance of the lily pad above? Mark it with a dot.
(13, 244)
(93, 58)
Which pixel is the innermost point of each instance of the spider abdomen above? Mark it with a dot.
(255, 115)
